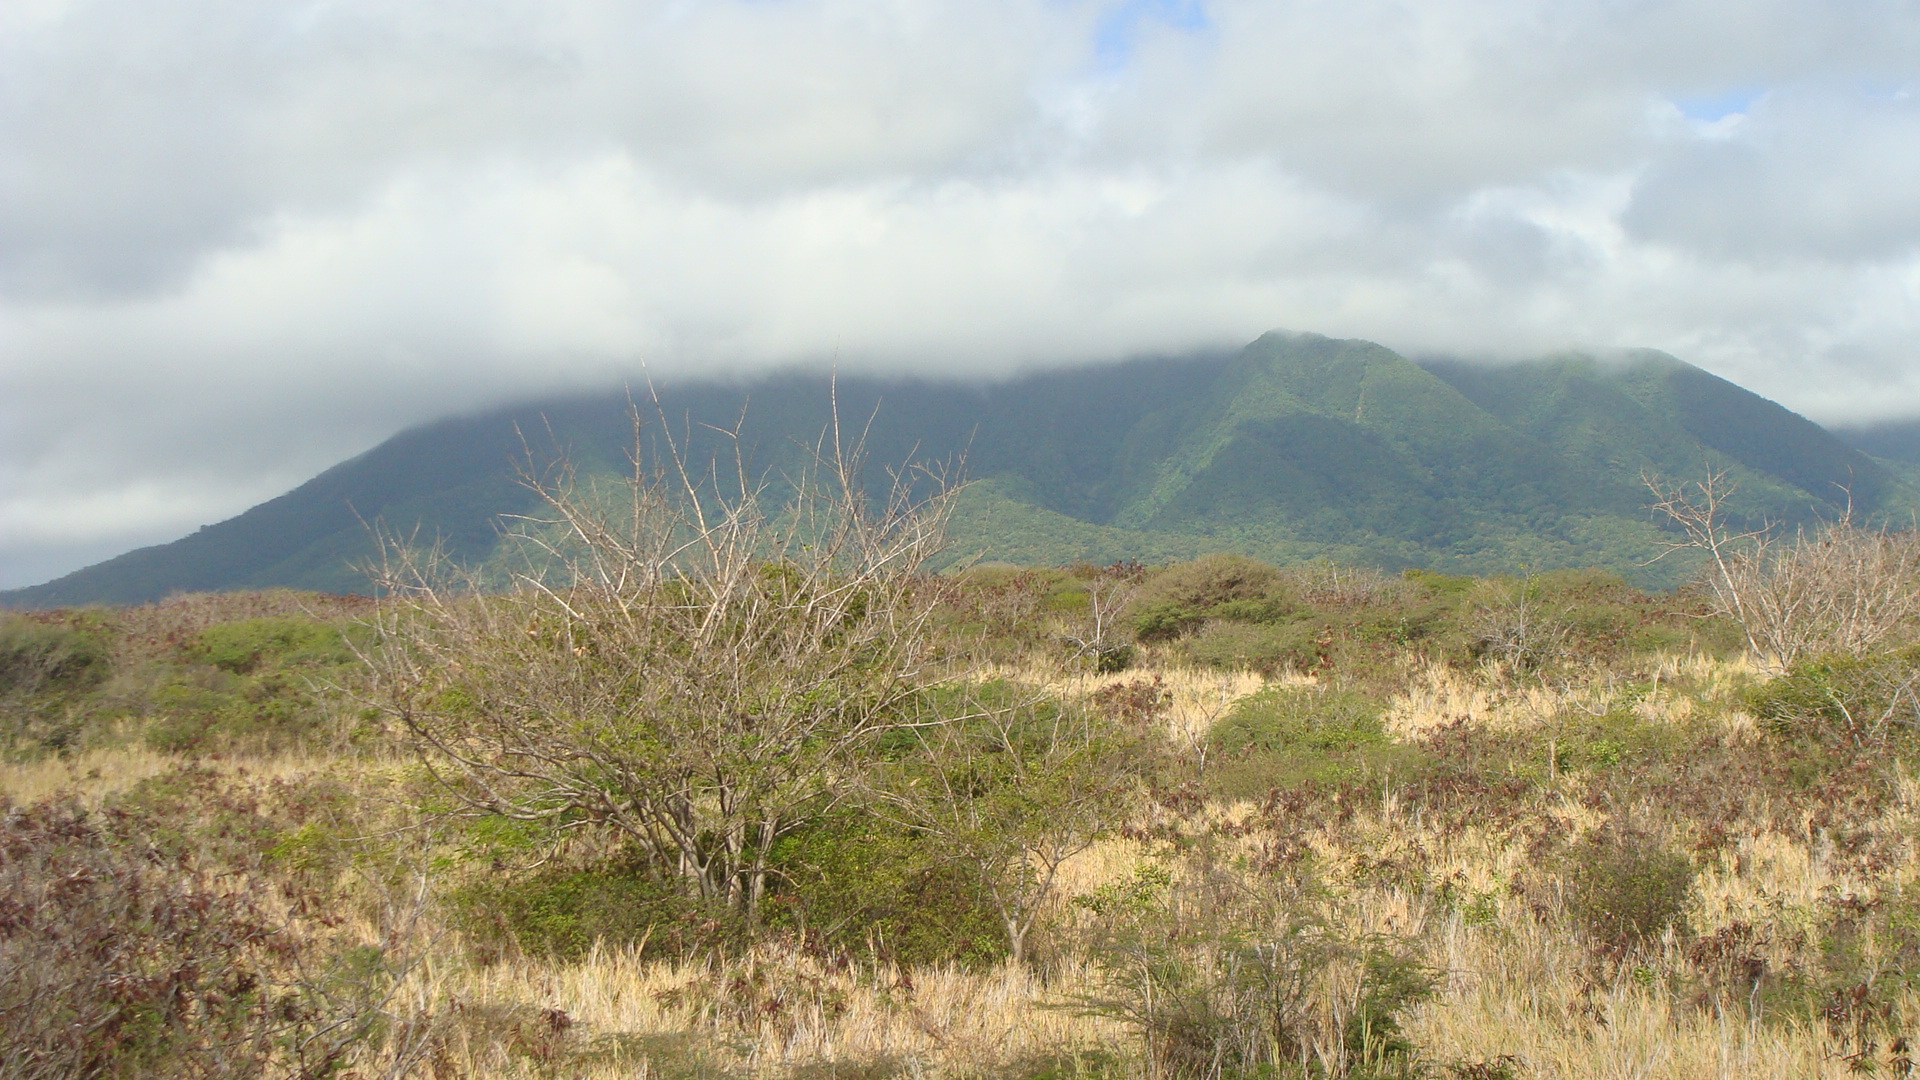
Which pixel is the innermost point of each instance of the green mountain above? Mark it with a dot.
(1297, 447)
(1893, 443)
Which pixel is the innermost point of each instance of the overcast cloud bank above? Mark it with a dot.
(242, 240)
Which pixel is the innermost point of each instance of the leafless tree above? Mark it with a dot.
(1843, 587)
(1099, 638)
(696, 664)
(1511, 623)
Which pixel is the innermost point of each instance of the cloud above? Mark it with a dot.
(1807, 173)
(240, 240)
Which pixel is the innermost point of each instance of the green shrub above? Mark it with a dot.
(1437, 584)
(1246, 646)
(242, 647)
(1625, 888)
(1300, 718)
(1406, 625)
(1394, 980)
(1288, 735)
(200, 713)
(1852, 699)
(1226, 975)
(1011, 785)
(1067, 598)
(862, 886)
(1179, 598)
(1111, 659)
(1657, 638)
(851, 884)
(1516, 623)
(1162, 621)
(1618, 738)
(563, 911)
(36, 657)
(1323, 581)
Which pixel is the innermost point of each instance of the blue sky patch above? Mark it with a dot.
(1708, 108)
(1116, 37)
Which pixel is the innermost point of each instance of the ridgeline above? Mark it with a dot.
(1297, 447)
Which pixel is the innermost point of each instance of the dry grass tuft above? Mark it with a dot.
(88, 775)
(777, 1013)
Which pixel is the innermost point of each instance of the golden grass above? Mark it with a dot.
(1674, 690)
(89, 774)
(1514, 985)
(1519, 989)
(772, 1013)
(1198, 696)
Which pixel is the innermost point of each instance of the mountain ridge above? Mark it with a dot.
(1297, 446)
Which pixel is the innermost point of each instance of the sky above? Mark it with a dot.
(242, 240)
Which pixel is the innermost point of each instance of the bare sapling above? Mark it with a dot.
(1512, 625)
(1100, 638)
(1842, 587)
(691, 663)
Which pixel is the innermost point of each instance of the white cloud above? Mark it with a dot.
(1810, 172)
(240, 240)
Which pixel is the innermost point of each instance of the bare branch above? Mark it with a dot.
(698, 670)
(1842, 587)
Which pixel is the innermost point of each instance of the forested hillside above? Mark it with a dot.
(1297, 447)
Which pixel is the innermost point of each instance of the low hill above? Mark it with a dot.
(1299, 446)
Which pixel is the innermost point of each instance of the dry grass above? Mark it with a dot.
(1519, 989)
(1515, 987)
(1196, 696)
(1517, 984)
(774, 1013)
(1674, 690)
(94, 774)
(90, 774)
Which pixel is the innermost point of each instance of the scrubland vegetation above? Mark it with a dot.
(751, 796)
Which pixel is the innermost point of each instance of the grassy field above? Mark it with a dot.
(1303, 822)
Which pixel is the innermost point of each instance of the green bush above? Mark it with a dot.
(1851, 699)
(1300, 718)
(1657, 638)
(1247, 646)
(851, 884)
(1069, 597)
(1111, 659)
(1443, 585)
(243, 647)
(1625, 888)
(1012, 784)
(205, 712)
(1516, 622)
(563, 911)
(36, 657)
(1179, 598)
(1288, 735)
(1226, 975)
(1616, 739)
(862, 886)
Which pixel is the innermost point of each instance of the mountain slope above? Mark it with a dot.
(1648, 414)
(1298, 446)
(1895, 444)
